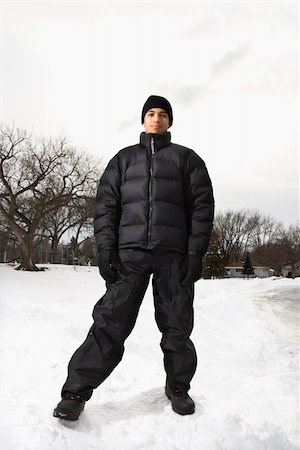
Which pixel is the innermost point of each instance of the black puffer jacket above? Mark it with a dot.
(155, 195)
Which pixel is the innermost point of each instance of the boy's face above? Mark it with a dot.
(156, 121)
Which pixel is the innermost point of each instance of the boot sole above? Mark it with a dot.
(64, 416)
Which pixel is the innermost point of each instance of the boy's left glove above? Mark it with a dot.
(109, 264)
(191, 270)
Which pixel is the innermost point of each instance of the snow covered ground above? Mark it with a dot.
(245, 387)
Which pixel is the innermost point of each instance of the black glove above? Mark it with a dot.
(191, 270)
(109, 264)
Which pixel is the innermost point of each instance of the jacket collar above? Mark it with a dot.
(160, 140)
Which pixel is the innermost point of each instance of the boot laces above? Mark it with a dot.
(180, 392)
(77, 398)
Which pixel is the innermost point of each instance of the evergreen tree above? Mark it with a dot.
(213, 265)
(247, 268)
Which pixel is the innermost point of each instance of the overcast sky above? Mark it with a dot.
(229, 69)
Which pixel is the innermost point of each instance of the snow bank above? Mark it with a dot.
(245, 387)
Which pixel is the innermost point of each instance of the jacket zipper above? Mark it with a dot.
(150, 191)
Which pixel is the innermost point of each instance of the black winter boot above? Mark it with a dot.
(180, 400)
(70, 407)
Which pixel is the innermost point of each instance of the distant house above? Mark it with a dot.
(235, 270)
(291, 271)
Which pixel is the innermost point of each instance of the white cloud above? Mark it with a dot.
(201, 28)
(230, 58)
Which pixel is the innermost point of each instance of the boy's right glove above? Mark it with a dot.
(109, 264)
(191, 270)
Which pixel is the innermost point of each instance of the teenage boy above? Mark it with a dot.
(153, 215)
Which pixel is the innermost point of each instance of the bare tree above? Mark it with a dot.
(234, 231)
(76, 217)
(8, 245)
(271, 254)
(291, 245)
(84, 223)
(37, 178)
(266, 230)
(244, 230)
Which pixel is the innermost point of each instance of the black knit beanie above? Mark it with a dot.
(155, 101)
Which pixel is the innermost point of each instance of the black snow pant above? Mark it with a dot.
(115, 315)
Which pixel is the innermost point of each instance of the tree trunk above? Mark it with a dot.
(54, 241)
(26, 244)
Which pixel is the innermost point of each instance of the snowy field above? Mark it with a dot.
(245, 387)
